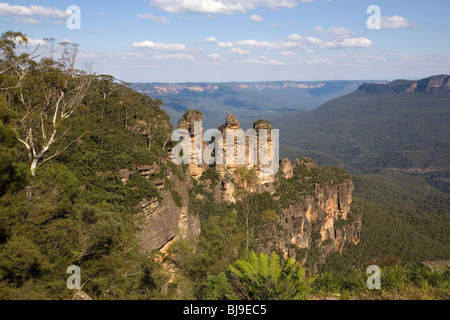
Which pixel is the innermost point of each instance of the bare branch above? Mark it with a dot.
(58, 152)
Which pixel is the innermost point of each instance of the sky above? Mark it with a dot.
(254, 40)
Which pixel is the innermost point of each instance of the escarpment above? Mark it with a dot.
(300, 208)
(431, 84)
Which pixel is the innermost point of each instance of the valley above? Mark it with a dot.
(249, 100)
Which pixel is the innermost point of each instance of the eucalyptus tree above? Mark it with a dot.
(45, 95)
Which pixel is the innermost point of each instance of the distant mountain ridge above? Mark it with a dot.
(249, 101)
(402, 124)
(174, 88)
(439, 82)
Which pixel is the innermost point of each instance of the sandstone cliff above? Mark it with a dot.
(434, 83)
(313, 204)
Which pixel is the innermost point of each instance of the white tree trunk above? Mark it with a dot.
(33, 166)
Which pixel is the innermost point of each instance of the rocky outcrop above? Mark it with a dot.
(161, 220)
(81, 296)
(230, 148)
(286, 168)
(260, 166)
(320, 217)
(164, 221)
(434, 83)
(187, 122)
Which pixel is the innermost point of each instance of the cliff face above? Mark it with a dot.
(318, 215)
(163, 220)
(322, 218)
(440, 82)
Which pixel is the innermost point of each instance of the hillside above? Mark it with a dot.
(395, 141)
(402, 125)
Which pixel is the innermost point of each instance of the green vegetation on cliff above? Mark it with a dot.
(75, 210)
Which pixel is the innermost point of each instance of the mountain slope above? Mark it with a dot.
(403, 124)
(395, 140)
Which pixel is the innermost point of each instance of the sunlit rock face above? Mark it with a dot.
(318, 218)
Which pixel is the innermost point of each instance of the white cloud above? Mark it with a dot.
(227, 44)
(151, 17)
(264, 60)
(350, 43)
(26, 20)
(318, 61)
(333, 32)
(102, 14)
(31, 11)
(175, 56)
(222, 44)
(256, 18)
(220, 6)
(159, 46)
(251, 43)
(297, 41)
(396, 22)
(287, 53)
(239, 51)
(290, 43)
(215, 56)
(211, 39)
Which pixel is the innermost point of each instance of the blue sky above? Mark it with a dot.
(253, 40)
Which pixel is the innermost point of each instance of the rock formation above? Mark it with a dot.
(164, 221)
(434, 83)
(197, 143)
(320, 217)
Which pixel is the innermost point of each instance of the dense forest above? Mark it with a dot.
(64, 136)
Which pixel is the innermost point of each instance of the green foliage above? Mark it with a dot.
(218, 287)
(142, 188)
(76, 209)
(394, 278)
(422, 276)
(21, 260)
(106, 230)
(327, 283)
(406, 234)
(397, 281)
(245, 177)
(197, 259)
(210, 174)
(304, 181)
(262, 278)
(177, 198)
(13, 175)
